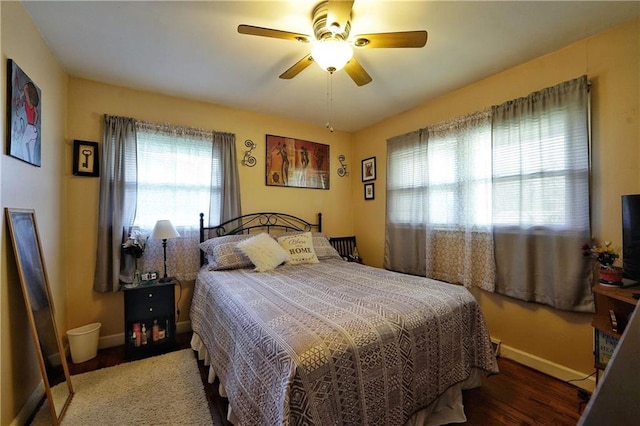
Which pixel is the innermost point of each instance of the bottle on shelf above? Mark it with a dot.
(156, 331)
(136, 330)
(144, 334)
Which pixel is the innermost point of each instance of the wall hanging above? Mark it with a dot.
(24, 99)
(369, 193)
(369, 169)
(296, 163)
(342, 170)
(86, 160)
(248, 159)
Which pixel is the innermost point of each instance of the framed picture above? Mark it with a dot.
(296, 163)
(369, 193)
(24, 140)
(86, 158)
(369, 169)
(604, 347)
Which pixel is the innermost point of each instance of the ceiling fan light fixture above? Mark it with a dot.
(331, 53)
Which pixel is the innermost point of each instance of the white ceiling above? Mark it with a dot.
(193, 50)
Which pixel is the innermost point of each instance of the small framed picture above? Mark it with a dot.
(369, 169)
(369, 193)
(86, 159)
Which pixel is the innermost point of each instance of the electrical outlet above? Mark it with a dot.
(495, 343)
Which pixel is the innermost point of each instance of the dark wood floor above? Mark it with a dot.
(516, 396)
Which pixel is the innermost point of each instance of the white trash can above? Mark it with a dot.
(84, 342)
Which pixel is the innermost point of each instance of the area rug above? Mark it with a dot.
(162, 390)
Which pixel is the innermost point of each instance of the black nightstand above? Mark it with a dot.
(149, 304)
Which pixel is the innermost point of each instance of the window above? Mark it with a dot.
(153, 172)
(540, 177)
(499, 197)
(178, 176)
(450, 169)
(407, 180)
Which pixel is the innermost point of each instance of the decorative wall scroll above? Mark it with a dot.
(296, 163)
(342, 170)
(248, 159)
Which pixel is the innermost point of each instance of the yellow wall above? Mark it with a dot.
(88, 101)
(38, 188)
(611, 60)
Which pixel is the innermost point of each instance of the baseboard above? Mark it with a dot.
(30, 406)
(118, 339)
(558, 371)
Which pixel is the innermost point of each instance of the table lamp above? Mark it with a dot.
(164, 230)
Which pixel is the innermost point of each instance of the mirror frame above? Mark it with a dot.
(26, 244)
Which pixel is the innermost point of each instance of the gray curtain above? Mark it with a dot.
(407, 180)
(230, 193)
(541, 196)
(117, 203)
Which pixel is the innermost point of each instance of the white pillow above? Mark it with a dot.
(264, 252)
(300, 248)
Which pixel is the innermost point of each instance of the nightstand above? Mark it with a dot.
(152, 306)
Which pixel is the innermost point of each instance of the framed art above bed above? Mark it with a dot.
(296, 163)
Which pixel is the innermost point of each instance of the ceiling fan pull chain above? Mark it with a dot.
(330, 101)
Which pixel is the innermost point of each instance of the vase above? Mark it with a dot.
(610, 275)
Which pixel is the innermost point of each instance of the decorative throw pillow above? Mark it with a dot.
(300, 248)
(223, 252)
(323, 248)
(265, 252)
(321, 244)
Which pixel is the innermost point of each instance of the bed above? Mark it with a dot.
(328, 342)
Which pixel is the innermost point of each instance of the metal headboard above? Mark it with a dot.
(257, 222)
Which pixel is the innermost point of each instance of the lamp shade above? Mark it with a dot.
(164, 230)
(331, 54)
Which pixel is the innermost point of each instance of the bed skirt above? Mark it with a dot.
(448, 408)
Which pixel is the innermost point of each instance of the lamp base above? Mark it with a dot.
(166, 279)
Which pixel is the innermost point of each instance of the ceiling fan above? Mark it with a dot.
(331, 45)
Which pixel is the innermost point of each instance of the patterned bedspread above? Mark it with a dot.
(336, 342)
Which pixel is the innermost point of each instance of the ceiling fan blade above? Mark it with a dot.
(297, 68)
(397, 39)
(339, 12)
(357, 73)
(268, 32)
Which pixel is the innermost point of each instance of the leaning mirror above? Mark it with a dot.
(39, 303)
